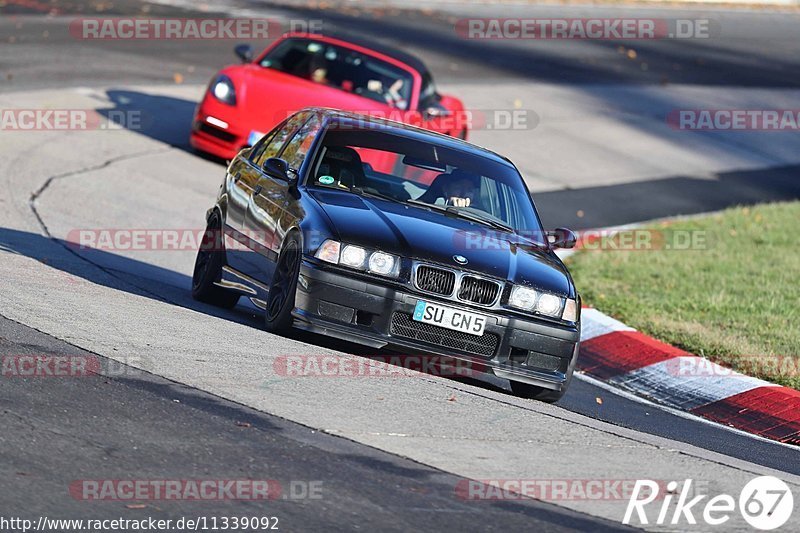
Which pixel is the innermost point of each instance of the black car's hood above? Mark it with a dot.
(410, 231)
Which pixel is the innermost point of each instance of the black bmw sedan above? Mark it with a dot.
(391, 236)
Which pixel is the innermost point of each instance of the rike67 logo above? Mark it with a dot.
(766, 503)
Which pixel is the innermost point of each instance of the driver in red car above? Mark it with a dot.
(318, 69)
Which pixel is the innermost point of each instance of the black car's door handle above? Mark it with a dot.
(258, 189)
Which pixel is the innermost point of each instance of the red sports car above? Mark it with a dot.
(302, 70)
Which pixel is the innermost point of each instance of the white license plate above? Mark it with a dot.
(254, 137)
(447, 317)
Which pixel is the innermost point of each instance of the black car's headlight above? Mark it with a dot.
(223, 90)
(356, 257)
(543, 303)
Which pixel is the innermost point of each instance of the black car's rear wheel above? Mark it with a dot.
(280, 300)
(526, 390)
(208, 268)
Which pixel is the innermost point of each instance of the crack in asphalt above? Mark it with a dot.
(105, 164)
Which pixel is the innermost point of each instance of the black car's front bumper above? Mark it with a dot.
(344, 306)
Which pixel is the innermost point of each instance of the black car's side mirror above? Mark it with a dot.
(562, 238)
(244, 52)
(279, 168)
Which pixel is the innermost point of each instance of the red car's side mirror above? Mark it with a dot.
(244, 52)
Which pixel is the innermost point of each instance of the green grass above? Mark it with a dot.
(734, 300)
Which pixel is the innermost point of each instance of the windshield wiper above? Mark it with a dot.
(427, 205)
(476, 217)
(467, 215)
(374, 194)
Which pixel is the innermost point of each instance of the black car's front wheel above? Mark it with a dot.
(208, 268)
(526, 390)
(280, 300)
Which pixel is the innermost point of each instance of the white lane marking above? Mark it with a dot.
(594, 323)
(687, 382)
(676, 412)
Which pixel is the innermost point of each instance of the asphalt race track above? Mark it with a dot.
(188, 391)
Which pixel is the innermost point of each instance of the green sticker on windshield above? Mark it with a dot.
(326, 180)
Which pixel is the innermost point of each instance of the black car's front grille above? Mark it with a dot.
(477, 290)
(404, 326)
(435, 280)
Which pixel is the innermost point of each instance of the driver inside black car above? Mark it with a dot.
(459, 188)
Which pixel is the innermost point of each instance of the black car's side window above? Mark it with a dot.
(297, 149)
(278, 140)
(261, 145)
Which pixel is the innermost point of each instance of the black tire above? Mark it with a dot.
(280, 300)
(526, 390)
(208, 268)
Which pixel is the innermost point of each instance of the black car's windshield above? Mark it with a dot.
(372, 161)
(342, 68)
